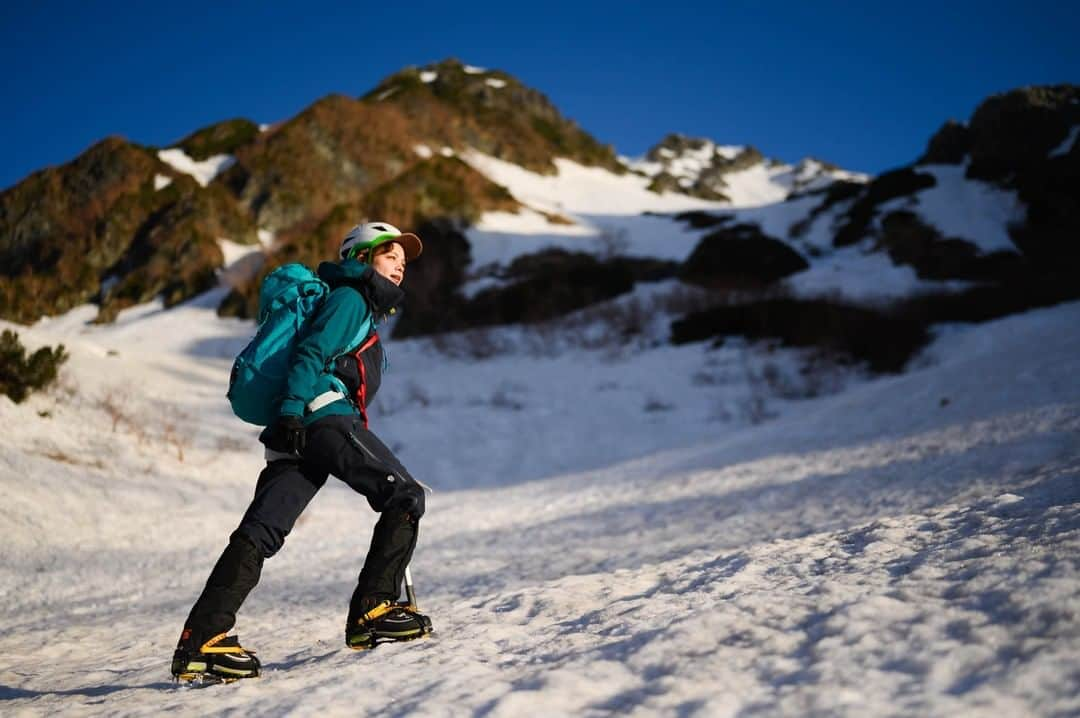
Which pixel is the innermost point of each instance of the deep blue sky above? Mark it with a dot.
(862, 87)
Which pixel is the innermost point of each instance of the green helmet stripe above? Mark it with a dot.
(370, 244)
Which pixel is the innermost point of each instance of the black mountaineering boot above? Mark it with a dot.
(219, 660)
(385, 621)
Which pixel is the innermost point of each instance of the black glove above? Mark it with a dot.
(286, 435)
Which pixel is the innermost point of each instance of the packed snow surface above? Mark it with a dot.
(653, 531)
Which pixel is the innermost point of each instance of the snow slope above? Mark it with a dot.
(590, 209)
(612, 533)
(599, 211)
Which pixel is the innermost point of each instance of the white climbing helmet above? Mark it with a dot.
(366, 236)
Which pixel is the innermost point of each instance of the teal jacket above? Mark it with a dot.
(343, 322)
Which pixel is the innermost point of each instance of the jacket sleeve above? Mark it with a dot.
(343, 320)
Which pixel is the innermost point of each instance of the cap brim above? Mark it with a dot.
(411, 244)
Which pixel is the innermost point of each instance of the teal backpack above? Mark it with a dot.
(289, 296)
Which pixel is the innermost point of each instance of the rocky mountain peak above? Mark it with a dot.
(469, 107)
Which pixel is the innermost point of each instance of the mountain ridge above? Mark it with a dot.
(141, 223)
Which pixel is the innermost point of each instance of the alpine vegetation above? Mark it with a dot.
(20, 374)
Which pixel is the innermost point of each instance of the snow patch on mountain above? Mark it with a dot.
(579, 190)
(757, 186)
(202, 170)
(738, 173)
(811, 175)
(581, 208)
(965, 208)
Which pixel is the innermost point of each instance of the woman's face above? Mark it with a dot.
(389, 261)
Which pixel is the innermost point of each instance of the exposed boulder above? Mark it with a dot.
(740, 256)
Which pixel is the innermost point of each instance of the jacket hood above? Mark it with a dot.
(381, 294)
(345, 273)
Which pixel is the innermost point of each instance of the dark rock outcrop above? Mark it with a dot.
(738, 257)
(1013, 133)
(433, 282)
(884, 341)
(1018, 140)
(554, 282)
(534, 288)
(949, 145)
(897, 183)
(910, 241)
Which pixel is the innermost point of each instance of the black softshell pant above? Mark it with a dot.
(339, 446)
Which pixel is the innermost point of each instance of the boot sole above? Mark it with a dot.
(203, 680)
(206, 672)
(379, 639)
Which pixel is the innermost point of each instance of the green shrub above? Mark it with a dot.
(18, 375)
